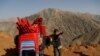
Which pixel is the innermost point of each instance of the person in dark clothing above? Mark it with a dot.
(56, 42)
(45, 43)
(48, 42)
(42, 46)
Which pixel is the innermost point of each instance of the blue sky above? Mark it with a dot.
(21, 8)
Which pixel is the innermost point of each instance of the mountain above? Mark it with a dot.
(10, 19)
(77, 27)
(74, 25)
(9, 27)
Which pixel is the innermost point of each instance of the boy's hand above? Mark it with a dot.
(61, 33)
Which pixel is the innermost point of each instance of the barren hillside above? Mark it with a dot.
(9, 27)
(74, 25)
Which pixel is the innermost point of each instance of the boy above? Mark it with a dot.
(56, 42)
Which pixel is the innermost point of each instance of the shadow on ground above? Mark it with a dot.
(11, 52)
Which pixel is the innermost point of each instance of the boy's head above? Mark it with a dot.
(56, 31)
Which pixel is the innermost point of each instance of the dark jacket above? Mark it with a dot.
(56, 39)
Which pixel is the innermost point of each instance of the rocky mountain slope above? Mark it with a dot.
(77, 27)
(9, 27)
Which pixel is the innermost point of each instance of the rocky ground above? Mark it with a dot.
(6, 42)
(93, 50)
(7, 48)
